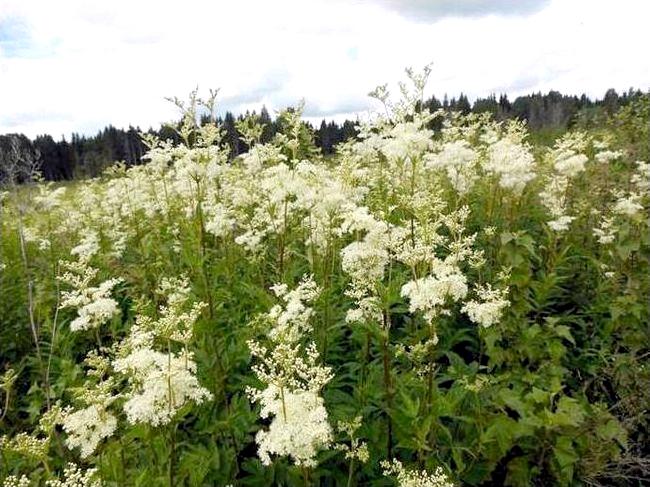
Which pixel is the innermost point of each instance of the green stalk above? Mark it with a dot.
(172, 455)
(350, 472)
(388, 384)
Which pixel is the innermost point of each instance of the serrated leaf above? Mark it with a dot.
(564, 331)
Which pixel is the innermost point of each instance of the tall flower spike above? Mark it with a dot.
(292, 382)
(161, 383)
(94, 304)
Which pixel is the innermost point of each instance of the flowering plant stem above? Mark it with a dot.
(350, 472)
(172, 454)
(388, 383)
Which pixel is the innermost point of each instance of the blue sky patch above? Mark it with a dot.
(15, 40)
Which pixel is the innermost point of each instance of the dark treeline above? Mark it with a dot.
(88, 156)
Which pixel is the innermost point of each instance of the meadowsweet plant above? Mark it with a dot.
(449, 299)
(293, 381)
(567, 162)
(93, 303)
(161, 382)
(356, 450)
(88, 425)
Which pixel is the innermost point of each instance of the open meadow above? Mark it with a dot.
(444, 301)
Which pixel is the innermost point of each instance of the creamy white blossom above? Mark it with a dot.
(74, 476)
(87, 427)
(93, 303)
(292, 318)
(299, 429)
(14, 481)
(293, 379)
(628, 205)
(606, 156)
(570, 165)
(415, 478)
(406, 139)
(459, 161)
(561, 224)
(429, 294)
(488, 309)
(641, 178)
(88, 247)
(606, 232)
(161, 384)
(512, 162)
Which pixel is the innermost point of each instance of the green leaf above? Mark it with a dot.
(513, 400)
(612, 430)
(539, 396)
(566, 457)
(569, 412)
(564, 331)
(457, 455)
(500, 433)
(519, 472)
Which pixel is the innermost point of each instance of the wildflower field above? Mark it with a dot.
(443, 302)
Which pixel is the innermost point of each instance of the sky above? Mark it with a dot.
(78, 65)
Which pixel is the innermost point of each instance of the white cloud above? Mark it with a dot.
(82, 65)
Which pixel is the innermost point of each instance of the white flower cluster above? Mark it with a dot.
(429, 294)
(93, 303)
(606, 156)
(300, 426)
(459, 161)
(74, 476)
(13, 481)
(25, 444)
(87, 427)
(158, 383)
(291, 320)
(88, 247)
(512, 161)
(365, 262)
(488, 309)
(161, 383)
(641, 178)
(415, 478)
(628, 205)
(293, 379)
(567, 161)
(606, 232)
(561, 223)
(406, 139)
